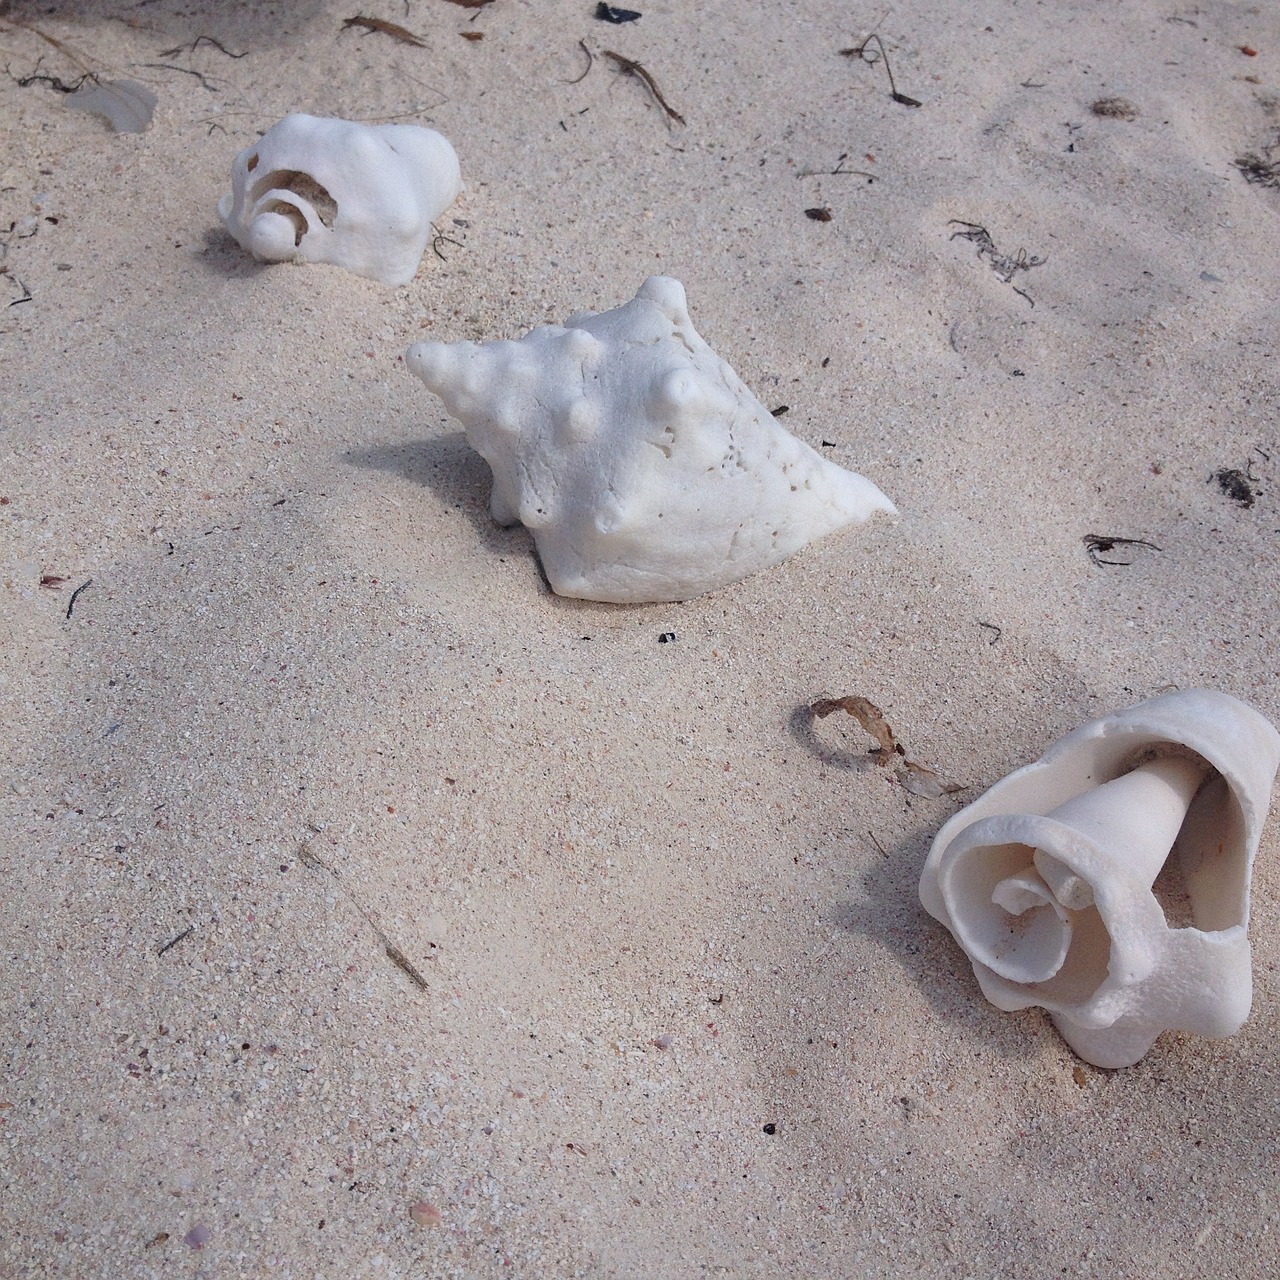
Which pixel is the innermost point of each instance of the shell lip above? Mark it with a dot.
(1244, 750)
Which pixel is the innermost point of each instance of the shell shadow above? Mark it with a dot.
(457, 476)
(802, 727)
(223, 256)
(889, 912)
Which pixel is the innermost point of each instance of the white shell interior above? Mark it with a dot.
(1048, 881)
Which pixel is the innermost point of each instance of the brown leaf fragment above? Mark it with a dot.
(868, 715)
(920, 780)
(1079, 1076)
(51, 581)
(386, 28)
(472, 35)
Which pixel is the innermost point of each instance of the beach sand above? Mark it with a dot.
(683, 1014)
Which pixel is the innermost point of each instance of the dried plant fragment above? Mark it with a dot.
(1262, 171)
(1098, 544)
(1115, 109)
(1236, 485)
(916, 778)
(1003, 265)
(629, 67)
(386, 28)
(923, 781)
(868, 715)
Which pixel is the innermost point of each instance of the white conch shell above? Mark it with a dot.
(642, 464)
(1046, 880)
(358, 196)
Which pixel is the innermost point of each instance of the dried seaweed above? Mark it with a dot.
(1115, 109)
(1263, 170)
(914, 777)
(1003, 265)
(1237, 485)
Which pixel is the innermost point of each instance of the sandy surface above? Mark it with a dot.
(314, 701)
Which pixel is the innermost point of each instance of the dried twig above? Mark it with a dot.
(386, 28)
(591, 61)
(75, 595)
(309, 858)
(629, 67)
(196, 43)
(883, 56)
(173, 942)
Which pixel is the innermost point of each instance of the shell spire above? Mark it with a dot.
(644, 466)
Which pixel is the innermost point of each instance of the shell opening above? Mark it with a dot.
(302, 185)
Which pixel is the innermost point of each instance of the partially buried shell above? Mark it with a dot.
(643, 465)
(358, 196)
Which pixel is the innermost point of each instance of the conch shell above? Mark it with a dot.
(358, 196)
(1046, 880)
(642, 464)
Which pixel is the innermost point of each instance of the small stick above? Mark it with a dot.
(402, 961)
(197, 42)
(186, 71)
(591, 62)
(173, 942)
(308, 857)
(861, 52)
(629, 67)
(387, 29)
(439, 239)
(71, 604)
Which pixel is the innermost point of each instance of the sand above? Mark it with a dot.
(683, 1014)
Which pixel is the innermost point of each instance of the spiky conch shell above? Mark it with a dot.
(644, 467)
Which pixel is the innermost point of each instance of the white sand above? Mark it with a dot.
(304, 629)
